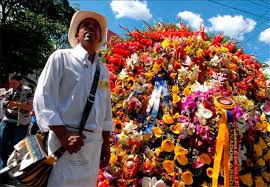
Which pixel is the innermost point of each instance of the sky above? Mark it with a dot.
(246, 21)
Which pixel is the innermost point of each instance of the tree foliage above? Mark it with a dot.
(30, 31)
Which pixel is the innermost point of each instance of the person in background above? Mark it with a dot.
(2, 93)
(17, 105)
(60, 97)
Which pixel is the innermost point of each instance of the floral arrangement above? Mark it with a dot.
(178, 97)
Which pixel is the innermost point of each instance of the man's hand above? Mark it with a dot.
(71, 141)
(105, 155)
(105, 150)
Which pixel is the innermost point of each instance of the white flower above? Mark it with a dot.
(214, 61)
(132, 60)
(199, 87)
(241, 124)
(182, 73)
(129, 127)
(123, 74)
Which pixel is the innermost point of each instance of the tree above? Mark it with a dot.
(30, 31)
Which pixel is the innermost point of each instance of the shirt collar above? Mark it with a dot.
(82, 54)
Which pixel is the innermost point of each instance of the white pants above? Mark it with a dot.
(78, 169)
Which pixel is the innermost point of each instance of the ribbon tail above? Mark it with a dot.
(219, 147)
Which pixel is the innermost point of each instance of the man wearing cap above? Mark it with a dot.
(60, 97)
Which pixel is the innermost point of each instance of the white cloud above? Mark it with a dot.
(233, 26)
(131, 9)
(265, 37)
(193, 19)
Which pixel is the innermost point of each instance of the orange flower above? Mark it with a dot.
(182, 159)
(169, 166)
(176, 129)
(205, 158)
(175, 89)
(179, 150)
(167, 145)
(157, 132)
(176, 98)
(247, 179)
(118, 126)
(187, 177)
(168, 119)
(187, 90)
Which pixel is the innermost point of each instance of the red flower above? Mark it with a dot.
(230, 46)
(217, 40)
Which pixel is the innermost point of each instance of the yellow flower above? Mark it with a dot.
(175, 42)
(176, 98)
(148, 75)
(199, 53)
(176, 115)
(187, 177)
(175, 89)
(167, 145)
(157, 132)
(130, 82)
(205, 158)
(168, 119)
(165, 43)
(158, 150)
(223, 49)
(189, 50)
(113, 159)
(209, 172)
(263, 117)
(179, 150)
(266, 176)
(247, 179)
(182, 159)
(259, 182)
(169, 166)
(176, 129)
(156, 68)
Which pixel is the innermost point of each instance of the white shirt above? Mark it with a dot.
(63, 88)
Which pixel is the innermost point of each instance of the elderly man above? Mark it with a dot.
(60, 97)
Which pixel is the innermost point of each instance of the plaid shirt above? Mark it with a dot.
(17, 115)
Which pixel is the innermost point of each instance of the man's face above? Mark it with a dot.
(14, 83)
(89, 33)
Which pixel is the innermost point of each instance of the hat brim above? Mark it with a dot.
(76, 20)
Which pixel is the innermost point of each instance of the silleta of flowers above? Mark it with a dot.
(189, 110)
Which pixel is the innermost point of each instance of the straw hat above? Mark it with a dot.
(80, 16)
(2, 91)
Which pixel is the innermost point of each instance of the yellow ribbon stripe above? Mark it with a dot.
(222, 148)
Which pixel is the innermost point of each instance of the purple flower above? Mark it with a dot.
(239, 111)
